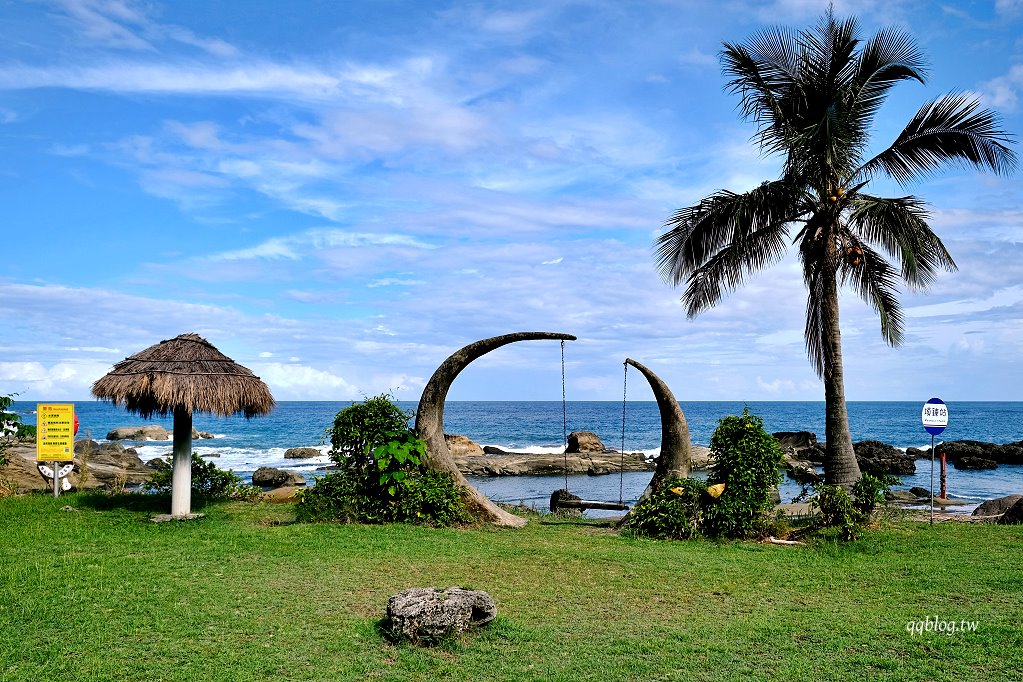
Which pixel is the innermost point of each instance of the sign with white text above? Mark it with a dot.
(935, 416)
(55, 432)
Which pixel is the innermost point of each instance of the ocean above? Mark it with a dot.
(525, 426)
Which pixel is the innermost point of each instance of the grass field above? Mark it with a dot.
(102, 593)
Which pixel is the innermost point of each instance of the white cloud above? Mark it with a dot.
(1002, 93)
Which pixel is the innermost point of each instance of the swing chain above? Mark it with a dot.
(621, 467)
(564, 414)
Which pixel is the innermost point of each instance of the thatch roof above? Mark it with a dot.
(186, 371)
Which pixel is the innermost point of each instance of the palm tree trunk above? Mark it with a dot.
(840, 466)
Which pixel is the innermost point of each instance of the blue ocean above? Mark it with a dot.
(244, 445)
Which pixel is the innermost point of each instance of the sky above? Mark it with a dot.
(339, 195)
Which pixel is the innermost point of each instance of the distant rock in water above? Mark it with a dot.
(301, 453)
(974, 463)
(150, 432)
(875, 457)
(462, 446)
(584, 441)
(1010, 453)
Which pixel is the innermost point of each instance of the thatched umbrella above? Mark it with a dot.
(180, 376)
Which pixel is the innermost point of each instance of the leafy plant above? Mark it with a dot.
(674, 511)
(361, 428)
(10, 426)
(207, 481)
(871, 491)
(382, 476)
(847, 512)
(747, 458)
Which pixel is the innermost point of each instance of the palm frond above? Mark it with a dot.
(885, 59)
(814, 333)
(726, 270)
(875, 281)
(899, 226)
(698, 232)
(952, 128)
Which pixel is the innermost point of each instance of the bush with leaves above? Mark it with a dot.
(11, 428)
(673, 512)
(382, 475)
(746, 460)
(846, 513)
(208, 482)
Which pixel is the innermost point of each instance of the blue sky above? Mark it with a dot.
(339, 195)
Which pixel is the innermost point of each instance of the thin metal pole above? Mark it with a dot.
(564, 414)
(621, 467)
(932, 479)
(56, 479)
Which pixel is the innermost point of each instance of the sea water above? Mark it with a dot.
(243, 445)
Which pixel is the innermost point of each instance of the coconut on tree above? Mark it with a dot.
(813, 95)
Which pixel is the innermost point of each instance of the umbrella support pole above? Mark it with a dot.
(181, 478)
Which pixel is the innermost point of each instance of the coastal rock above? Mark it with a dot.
(491, 450)
(997, 506)
(584, 442)
(920, 491)
(201, 434)
(795, 440)
(301, 453)
(531, 464)
(269, 477)
(803, 473)
(1010, 453)
(108, 466)
(1013, 515)
(903, 497)
(700, 457)
(150, 432)
(427, 615)
(974, 463)
(560, 496)
(875, 457)
(917, 453)
(158, 463)
(462, 446)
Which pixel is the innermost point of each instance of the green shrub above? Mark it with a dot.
(673, 511)
(10, 426)
(207, 481)
(746, 460)
(382, 477)
(362, 427)
(835, 508)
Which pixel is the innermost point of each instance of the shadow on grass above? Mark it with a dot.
(136, 502)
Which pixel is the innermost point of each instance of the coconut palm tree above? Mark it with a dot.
(813, 95)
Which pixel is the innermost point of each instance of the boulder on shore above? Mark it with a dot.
(462, 446)
(108, 466)
(426, 615)
(997, 506)
(269, 477)
(301, 453)
(1013, 515)
(584, 442)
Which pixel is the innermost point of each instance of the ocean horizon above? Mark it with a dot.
(537, 426)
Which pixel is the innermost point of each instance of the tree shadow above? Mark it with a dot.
(136, 502)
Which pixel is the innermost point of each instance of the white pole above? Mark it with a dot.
(932, 479)
(181, 478)
(56, 479)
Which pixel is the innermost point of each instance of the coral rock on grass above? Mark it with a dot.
(426, 615)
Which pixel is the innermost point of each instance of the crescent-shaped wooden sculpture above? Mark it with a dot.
(430, 418)
(675, 459)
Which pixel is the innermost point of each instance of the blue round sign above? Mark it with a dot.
(934, 416)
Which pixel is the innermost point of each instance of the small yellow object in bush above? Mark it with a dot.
(677, 490)
(716, 490)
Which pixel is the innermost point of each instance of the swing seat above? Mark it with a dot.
(562, 499)
(590, 504)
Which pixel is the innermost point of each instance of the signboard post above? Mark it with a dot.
(935, 419)
(55, 437)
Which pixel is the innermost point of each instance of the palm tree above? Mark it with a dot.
(813, 95)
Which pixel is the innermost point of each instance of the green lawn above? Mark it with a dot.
(102, 593)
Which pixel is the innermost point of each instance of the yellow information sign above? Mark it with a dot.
(55, 432)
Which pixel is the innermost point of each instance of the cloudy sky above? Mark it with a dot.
(340, 194)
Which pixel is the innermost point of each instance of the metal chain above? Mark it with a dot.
(564, 413)
(621, 468)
